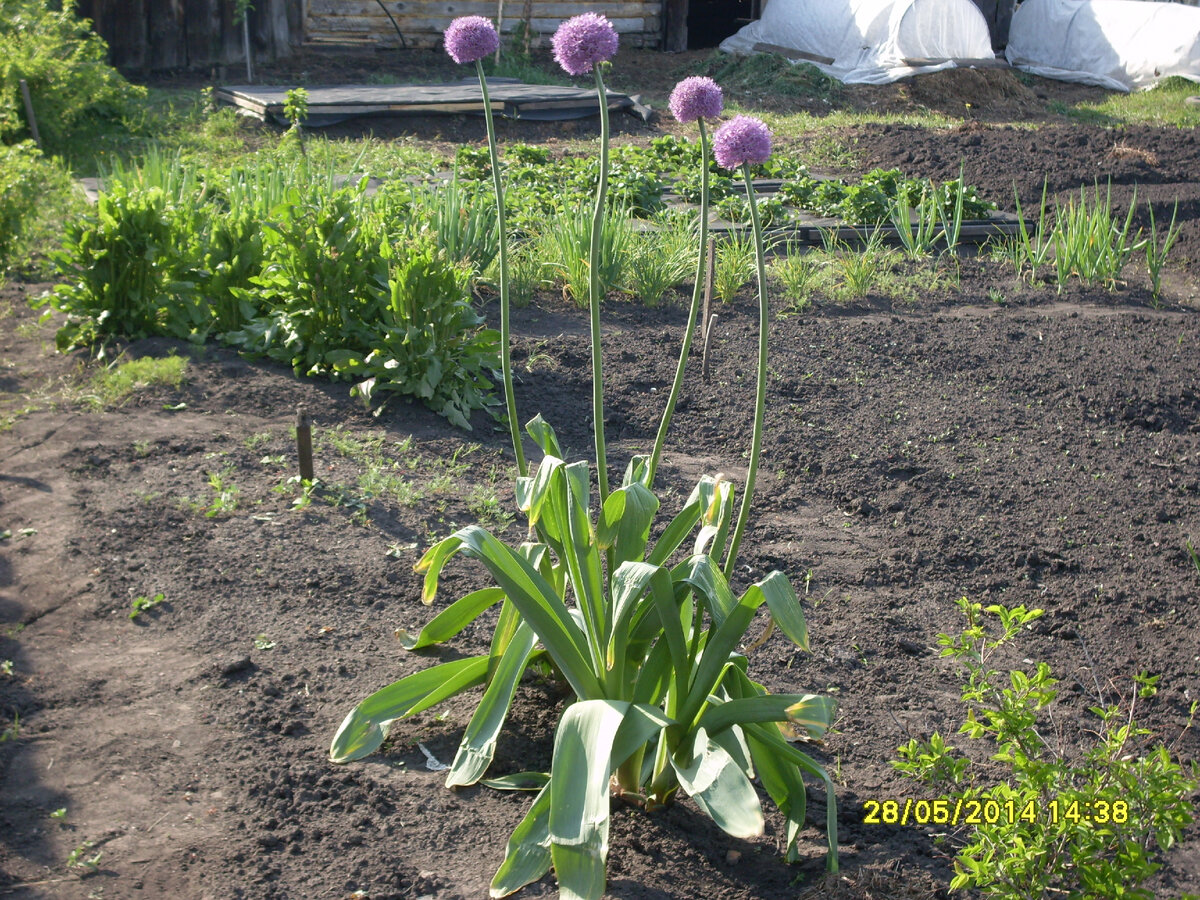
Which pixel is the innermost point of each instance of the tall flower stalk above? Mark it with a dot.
(693, 100)
(581, 44)
(471, 39)
(741, 142)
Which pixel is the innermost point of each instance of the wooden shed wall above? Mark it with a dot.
(149, 35)
(422, 22)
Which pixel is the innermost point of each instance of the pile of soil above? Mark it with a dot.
(996, 440)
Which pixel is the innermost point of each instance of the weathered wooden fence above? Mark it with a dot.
(423, 21)
(150, 35)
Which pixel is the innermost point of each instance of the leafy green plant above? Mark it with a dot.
(1156, 253)
(429, 342)
(660, 260)
(1090, 243)
(64, 63)
(21, 186)
(1086, 825)
(78, 858)
(125, 277)
(464, 221)
(734, 265)
(564, 249)
(1032, 249)
(798, 274)
(143, 603)
(645, 635)
(225, 493)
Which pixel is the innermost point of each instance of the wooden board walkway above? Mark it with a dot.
(330, 104)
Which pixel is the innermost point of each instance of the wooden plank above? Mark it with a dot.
(328, 24)
(989, 62)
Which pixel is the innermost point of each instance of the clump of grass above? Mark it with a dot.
(115, 384)
(733, 265)
(799, 276)
(769, 74)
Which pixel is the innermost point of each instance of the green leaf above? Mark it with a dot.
(716, 515)
(717, 783)
(451, 620)
(365, 728)
(536, 601)
(517, 781)
(785, 607)
(579, 802)
(785, 786)
(678, 528)
(813, 713)
(625, 522)
(704, 576)
(528, 855)
(479, 740)
(543, 435)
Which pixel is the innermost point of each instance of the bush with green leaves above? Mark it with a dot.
(27, 177)
(429, 342)
(125, 274)
(1087, 823)
(64, 63)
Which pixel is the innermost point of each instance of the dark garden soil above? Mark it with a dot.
(995, 439)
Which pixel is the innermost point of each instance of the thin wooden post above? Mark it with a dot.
(37, 138)
(304, 444)
(708, 332)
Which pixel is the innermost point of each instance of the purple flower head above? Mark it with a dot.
(695, 98)
(743, 139)
(470, 38)
(583, 41)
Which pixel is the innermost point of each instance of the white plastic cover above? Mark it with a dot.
(1115, 44)
(869, 40)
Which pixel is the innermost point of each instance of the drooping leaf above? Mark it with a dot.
(625, 522)
(543, 435)
(478, 744)
(719, 786)
(528, 855)
(365, 728)
(451, 620)
(579, 802)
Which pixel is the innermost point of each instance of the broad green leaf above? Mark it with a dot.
(809, 711)
(365, 728)
(478, 744)
(506, 629)
(702, 574)
(629, 586)
(785, 607)
(784, 784)
(719, 786)
(579, 802)
(451, 620)
(543, 435)
(722, 640)
(517, 781)
(528, 856)
(640, 724)
(545, 611)
(625, 522)
(533, 492)
(789, 755)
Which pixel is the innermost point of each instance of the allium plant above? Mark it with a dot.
(742, 142)
(471, 39)
(693, 100)
(645, 634)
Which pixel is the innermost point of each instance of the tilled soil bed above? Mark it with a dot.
(995, 440)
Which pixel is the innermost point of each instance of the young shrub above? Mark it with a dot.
(125, 276)
(63, 62)
(658, 261)
(566, 245)
(464, 222)
(26, 177)
(1055, 823)
(798, 274)
(427, 342)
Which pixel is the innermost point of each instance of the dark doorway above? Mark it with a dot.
(711, 21)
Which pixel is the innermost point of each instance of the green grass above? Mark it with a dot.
(1162, 105)
(115, 384)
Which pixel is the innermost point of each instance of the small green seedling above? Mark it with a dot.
(141, 604)
(262, 642)
(76, 860)
(13, 731)
(60, 813)
(6, 667)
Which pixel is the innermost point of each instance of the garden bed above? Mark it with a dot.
(988, 438)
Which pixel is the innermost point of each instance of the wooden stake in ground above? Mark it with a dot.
(33, 129)
(304, 444)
